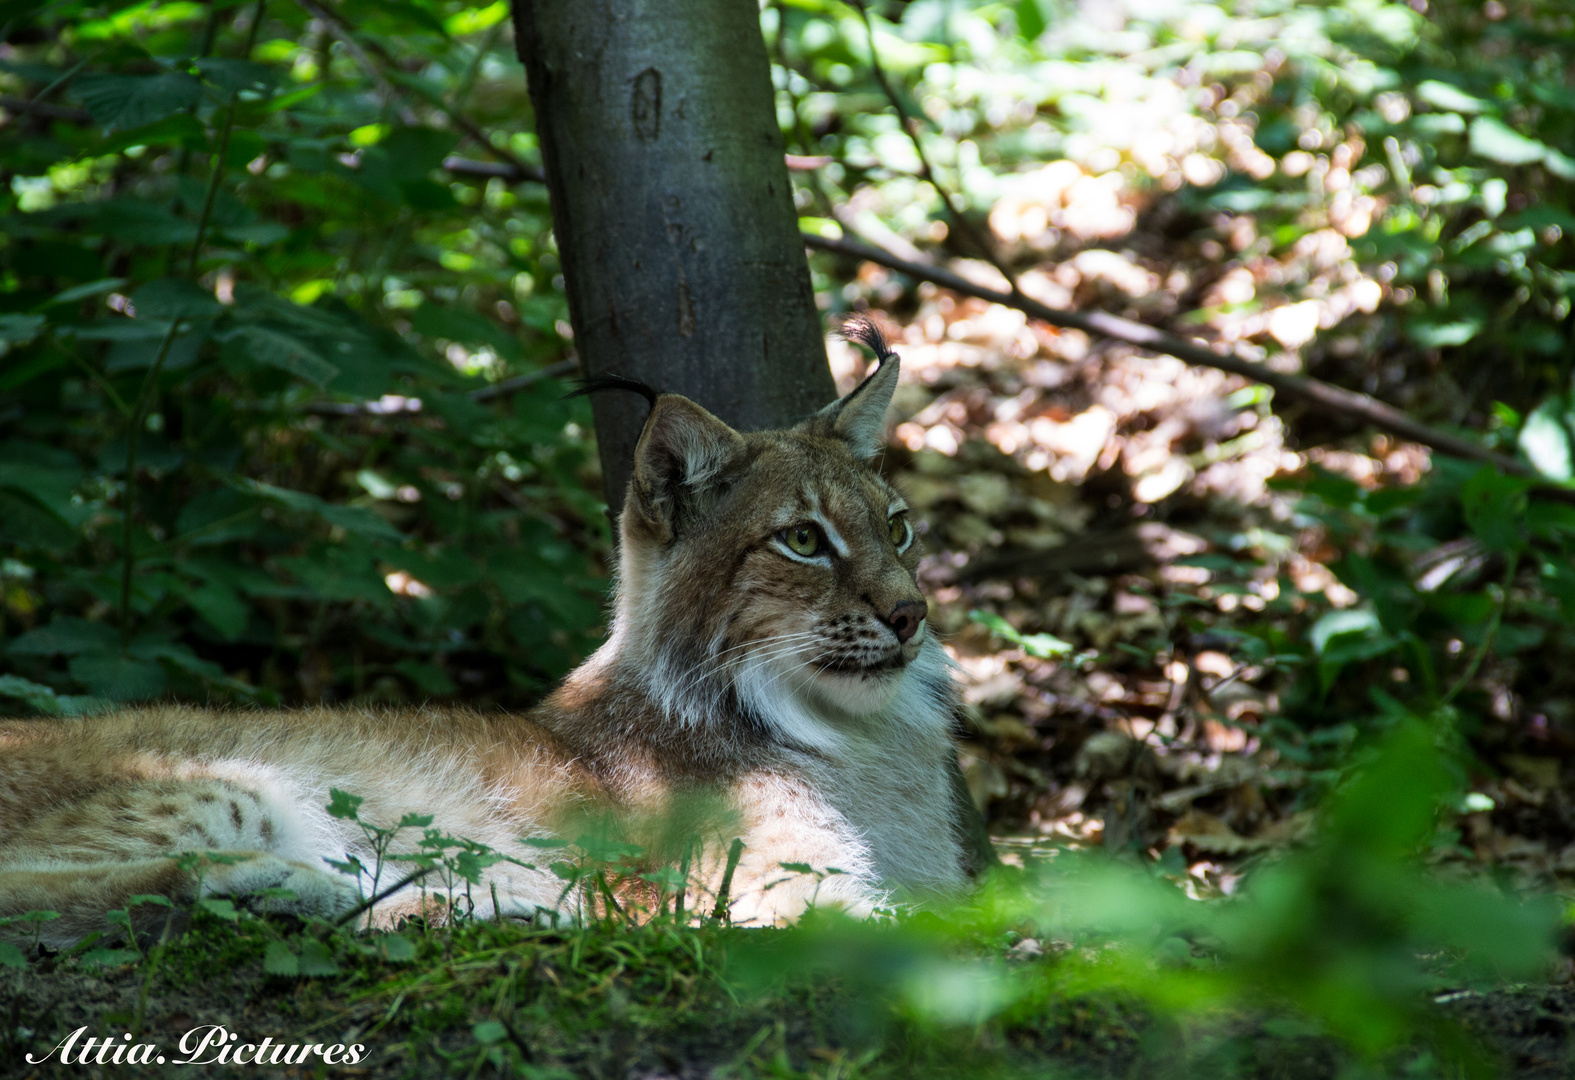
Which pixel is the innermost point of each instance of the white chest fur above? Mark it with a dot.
(885, 775)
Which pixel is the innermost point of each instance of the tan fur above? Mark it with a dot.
(744, 690)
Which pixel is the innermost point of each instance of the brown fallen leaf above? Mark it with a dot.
(1209, 834)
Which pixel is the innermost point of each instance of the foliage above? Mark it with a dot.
(254, 442)
(1340, 943)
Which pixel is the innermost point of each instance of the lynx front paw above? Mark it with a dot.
(780, 902)
(316, 892)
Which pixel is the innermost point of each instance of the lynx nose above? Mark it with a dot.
(906, 617)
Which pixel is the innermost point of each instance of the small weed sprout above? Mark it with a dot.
(10, 955)
(346, 807)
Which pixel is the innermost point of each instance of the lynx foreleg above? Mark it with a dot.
(784, 822)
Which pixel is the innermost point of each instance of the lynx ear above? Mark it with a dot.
(681, 449)
(860, 417)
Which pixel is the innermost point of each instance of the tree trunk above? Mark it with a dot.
(673, 212)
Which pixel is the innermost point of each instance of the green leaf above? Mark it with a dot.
(261, 233)
(131, 101)
(396, 948)
(1495, 506)
(279, 960)
(182, 128)
(174, 298)
(118, 677)
(220, 605)
(1043, 646)
(1546, 440)
(110, 957)
(343, 805)
(20, 329)
(489, 1031)
(38, 698)
(66, 636)
(137, 221)
(177, 653)
(92, 288)
(285, 352)
(352, 519)
(1031, 19)
(28, 918)
(428, 678)
(466, 327)
(1439, 334)
(49, 479)
(1494, 140)
(220, 908)
(1360, 621)
(1449, 98)
(316, 959)
(234, 76)
(413, 152)
(11, 956)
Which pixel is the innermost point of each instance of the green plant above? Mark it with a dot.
(249, 395)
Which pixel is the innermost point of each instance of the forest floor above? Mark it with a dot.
(637, 1004)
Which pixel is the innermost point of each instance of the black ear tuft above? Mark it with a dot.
(597, 383)
(860, 417)
(862, 329)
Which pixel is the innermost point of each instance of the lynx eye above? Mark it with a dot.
(802, 539)
(901, 532)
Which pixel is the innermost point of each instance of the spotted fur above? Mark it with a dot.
(755, 683)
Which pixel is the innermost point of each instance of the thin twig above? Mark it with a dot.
(475, 133)
(64, 77)
(337, 27)
(1323, 396)
(488, 169)
(486, 393)
(213, 183)
(520, 382)
(723, 909)
(372, 901)
(954, 209)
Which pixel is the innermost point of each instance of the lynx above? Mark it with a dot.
(768, 656)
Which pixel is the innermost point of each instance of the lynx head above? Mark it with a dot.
(771, 575)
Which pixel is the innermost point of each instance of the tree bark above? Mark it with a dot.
(672, 211)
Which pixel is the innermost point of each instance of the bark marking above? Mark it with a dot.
(686, 308)
(645, 105)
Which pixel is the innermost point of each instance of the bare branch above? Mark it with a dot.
(502, 170)
(960, 220)
(1325, 397)
(391, 406)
